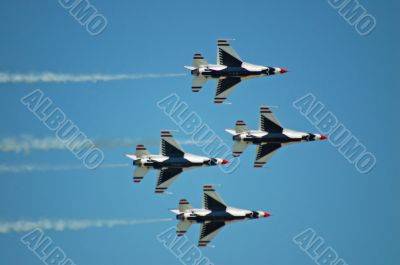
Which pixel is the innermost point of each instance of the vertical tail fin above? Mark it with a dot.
(198, 60)
(240, 127)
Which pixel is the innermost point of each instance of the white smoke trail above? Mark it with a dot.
(27, 143)
(49, 77)
(33, 167)
(61, 225)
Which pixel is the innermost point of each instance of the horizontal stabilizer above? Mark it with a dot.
(139, 173)
(241, 127)
(198, 82)
(238, 148)
(184, 205)
(141, 151)
(198, 60)
(182, 227)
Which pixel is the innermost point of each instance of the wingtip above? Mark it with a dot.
(165, 133)
(208, 187)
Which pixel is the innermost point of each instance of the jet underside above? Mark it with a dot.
(173, 162)
(215, 216)
(269, 138)
(231, 72)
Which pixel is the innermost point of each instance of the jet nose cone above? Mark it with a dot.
(224, 161)
(266, 214)
(323, 137)
(283, 70)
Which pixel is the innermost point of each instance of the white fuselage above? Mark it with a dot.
(285, 137)
(231, 214)
(186, 161)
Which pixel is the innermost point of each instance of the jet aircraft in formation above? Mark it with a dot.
(171, 161)
(269, 137)
(229, 71)
(213, 216)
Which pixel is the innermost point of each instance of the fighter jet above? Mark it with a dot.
(228, 71)
(269, 137)
(213, 216)
(171, 161)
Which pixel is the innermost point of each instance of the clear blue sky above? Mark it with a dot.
(305, 185)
